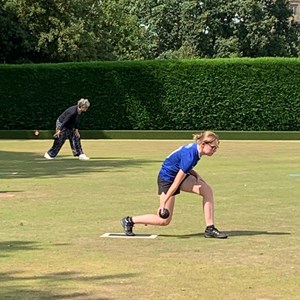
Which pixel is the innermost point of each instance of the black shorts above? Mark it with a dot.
(163, 186)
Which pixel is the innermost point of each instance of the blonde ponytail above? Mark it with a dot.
(206, 137)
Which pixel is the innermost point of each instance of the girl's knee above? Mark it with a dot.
(165, 222)
(206, 190)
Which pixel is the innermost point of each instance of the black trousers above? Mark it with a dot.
(75, 143)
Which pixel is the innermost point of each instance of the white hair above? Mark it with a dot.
(82, 102)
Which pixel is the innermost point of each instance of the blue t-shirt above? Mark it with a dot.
(184, 158)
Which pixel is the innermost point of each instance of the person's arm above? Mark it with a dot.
(176, 183)
(77, 132)
(76, 128)
(57, 133)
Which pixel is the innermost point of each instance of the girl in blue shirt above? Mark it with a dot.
(177, 174)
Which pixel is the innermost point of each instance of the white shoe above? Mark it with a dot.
(46, 155)
(83, 157)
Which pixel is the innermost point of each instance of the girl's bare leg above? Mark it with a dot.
(200, 187)
(152, 219)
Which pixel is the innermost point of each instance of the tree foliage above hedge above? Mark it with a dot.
(89, 30)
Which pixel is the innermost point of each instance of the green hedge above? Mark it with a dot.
(220, 94)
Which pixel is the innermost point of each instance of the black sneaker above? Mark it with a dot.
(127, 225)
(214, 233)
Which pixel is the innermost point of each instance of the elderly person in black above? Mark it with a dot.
(67, 127)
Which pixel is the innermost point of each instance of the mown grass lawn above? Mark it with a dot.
(52, 214)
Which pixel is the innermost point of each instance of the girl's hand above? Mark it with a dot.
(162, 203)
(163, 212)
(161, 208)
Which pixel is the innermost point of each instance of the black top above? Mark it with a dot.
(69, 118)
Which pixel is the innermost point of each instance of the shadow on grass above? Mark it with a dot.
(29, 165)
(229, 233)
(4, 192)
(10, 246)
(52, 279)
(62, 276)
(249, 232)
